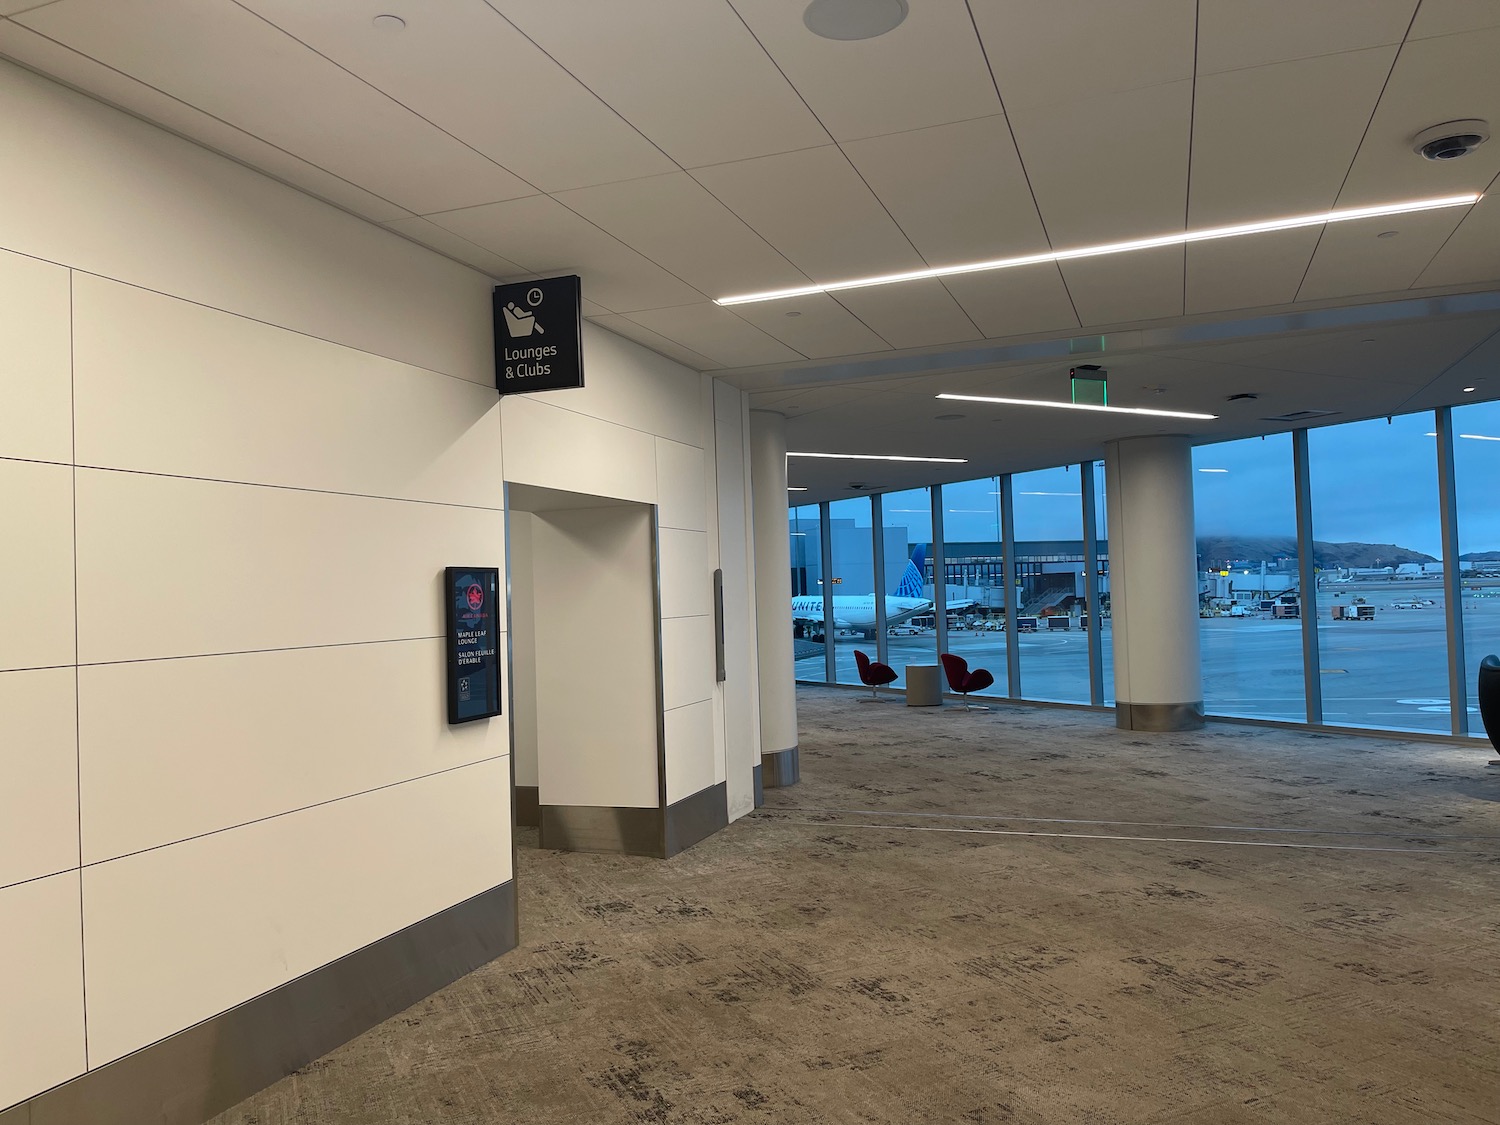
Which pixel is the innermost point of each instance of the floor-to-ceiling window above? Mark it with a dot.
(1476, 466)
(1245, 515)
(974, 566)
(852, 586)
(805, 525)
(1382, 638)
(911, 636)
(1101, 612)
(1049, 575)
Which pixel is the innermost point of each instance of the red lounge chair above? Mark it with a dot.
(963, 681)
(872, 673)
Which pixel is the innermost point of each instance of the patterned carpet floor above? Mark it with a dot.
(1022, 915)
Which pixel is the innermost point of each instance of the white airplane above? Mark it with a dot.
(857, 612)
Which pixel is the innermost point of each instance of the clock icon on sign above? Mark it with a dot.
(533, 297)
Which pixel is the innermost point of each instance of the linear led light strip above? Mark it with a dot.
(1081, 406)
(1342, 215)
(883, 457)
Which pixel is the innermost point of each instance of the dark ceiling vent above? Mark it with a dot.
(1299, 415)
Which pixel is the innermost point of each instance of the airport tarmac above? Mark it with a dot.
(1389, 673)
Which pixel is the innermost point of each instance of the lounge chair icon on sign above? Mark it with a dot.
(521, 322)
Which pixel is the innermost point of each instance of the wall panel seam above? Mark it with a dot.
(83, 965)
(692, 530)
(268, 323)
(37, 461)
(39, 878)
(692, 703)
(292, 812)
(684, 616)
(289, 488)
(246, 652)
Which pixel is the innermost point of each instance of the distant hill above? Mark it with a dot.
(1220, 549)
(1481, 556)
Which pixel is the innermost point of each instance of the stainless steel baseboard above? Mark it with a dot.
(760, 797)
(528, 809)
(781, 768)
(1159, 716)
(193, 1075)
(696, 818)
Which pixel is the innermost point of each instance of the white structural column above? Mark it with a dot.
(1153, 583)
(773, 599)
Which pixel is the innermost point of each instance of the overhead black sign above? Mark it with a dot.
(538, 335)
(473, 596)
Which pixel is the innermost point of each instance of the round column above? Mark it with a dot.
(1153, 584)
(773, 600)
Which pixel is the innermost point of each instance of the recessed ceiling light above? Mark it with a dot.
(796, 488)
(1470, 390)
(848, 20)
(1213, 470)
(1479, 437)
(388, 23)
(1210, 234)
(882, 457)
(1082, 406)
(794, 312)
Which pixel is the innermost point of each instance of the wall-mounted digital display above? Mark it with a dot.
(473, 642)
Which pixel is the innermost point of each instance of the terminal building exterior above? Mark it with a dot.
(248, 416)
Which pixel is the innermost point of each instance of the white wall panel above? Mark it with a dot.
(596, 710)
(36, 419)
(686, 573)
(522, 668)
(690, 768)
(681, 489)
(171, 567)
(554, 447)
(632, 386)
(38, 775)
(181, 220)
(41, 987)
(178, 934)
(36, 583)
(624, 326)
(687, 665)
(175, 748)
(270, 406)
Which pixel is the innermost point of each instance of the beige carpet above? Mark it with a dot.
(936, 926)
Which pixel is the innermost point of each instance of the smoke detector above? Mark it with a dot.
(1450, 140)
(849, 20)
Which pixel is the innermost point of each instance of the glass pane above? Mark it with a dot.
(1049, 571)
(853, 586)
(975, 576)
(1245, 511)
(1106, 638)
(911, 636)
(1381, 634)
(1476, 465)
(806, 528)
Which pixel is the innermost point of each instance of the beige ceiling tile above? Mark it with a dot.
(468, 70)
(446, 242)
(1015, 302)
(624, 326)
(814, 208)
(12, 7)
(677, 223)
(815, 325)
(1352, 260)
(1479, 368)
(1451, 17)
(545, 237)
(1109, 168)
(1120, 288)
(1278, 140)
(718, 333)
(958, 191)
(1233, 34)
(1248, 273)
(929, 70)
(1410, 353)
(78, 70)
(914, 314)
(1054, 51)
(1434, 81)
(1473, 253)
(687, 74)
(226, 61)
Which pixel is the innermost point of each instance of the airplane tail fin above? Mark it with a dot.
(911, 577)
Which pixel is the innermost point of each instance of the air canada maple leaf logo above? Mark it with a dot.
(476, 596)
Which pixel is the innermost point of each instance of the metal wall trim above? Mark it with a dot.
(697, 817)
(755, 781)
(825, 567)
(1453, 586)
(603, 828)
(877, 557)
(782, 768)
(1159, 716)
(1008, 576)
(528, 806)
(1307, 579)
(193, 1075)
(939, 568)
(1091, 584)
